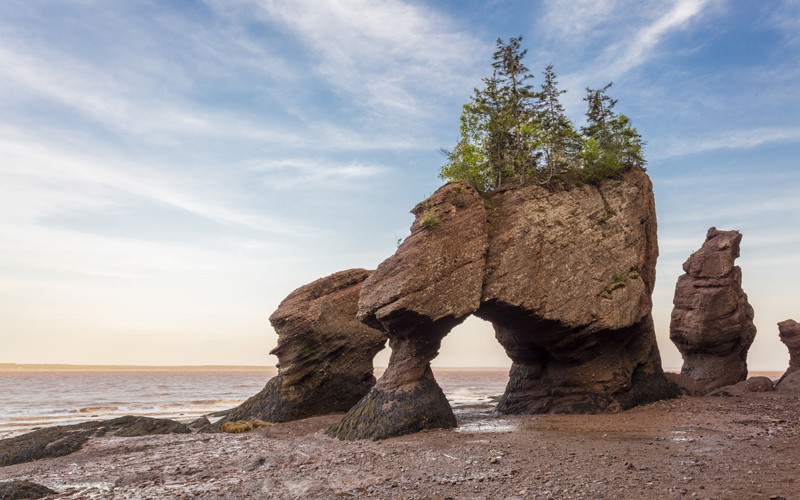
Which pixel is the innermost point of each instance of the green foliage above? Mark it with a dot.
(429, 218)
(508, 132)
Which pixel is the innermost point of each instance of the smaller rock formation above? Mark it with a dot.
(753, 384)
(17, 490)
(789, 331)
(65, 439)
(789, 384)
(325, 354)
(712, 322)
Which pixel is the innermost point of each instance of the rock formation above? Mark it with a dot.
(753, 384)
(65, 439)
(712, 322)
(789, 384)
(17, 490)
(325, 354)
(789, 332)
(564, 275)
(431, 284)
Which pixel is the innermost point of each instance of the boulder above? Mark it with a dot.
(431, 284)
(789, 332)
(568, 285)
(712, 321)
(789, 384)
(753, 384)
(325, 354)
(17, 490)
(65, 439)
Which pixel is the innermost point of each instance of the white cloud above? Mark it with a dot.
(310, 173)
(37, 169)
(390, 56)
(733, 139)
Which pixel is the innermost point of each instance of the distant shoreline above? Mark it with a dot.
(125, 368)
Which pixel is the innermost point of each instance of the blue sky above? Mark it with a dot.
(172, 170)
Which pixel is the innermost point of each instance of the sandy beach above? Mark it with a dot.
(711, 447)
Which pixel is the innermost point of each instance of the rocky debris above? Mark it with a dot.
(18, 490)
(65, 439)
(753, 384)
(325, 354)
(570, 273)
(789, 332)
(564, 275)
(789, 383)
(431, 284)
(712, 322)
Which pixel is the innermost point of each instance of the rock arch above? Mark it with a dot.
(564, 275)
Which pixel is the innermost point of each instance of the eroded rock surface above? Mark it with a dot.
(18, 490)
(568, 289)
(712, 321)
(564, 275)
(753, 384)
(431, 284)
(65, 439)
(789, 332)
(325, 354)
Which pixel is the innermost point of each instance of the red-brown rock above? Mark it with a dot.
(712, 321)
(789, 332)
(325, 354)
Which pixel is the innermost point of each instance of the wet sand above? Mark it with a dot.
(713, 447)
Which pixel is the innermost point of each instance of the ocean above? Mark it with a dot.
(31, 399)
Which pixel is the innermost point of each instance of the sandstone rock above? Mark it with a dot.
(712, 322)
(568, 288)
(564, 275)
(753, 384)
(65, 439)
(789, 384)
(325, 354)
(17, 490)
(431, 284)
(790, 336)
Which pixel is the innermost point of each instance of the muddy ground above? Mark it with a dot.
(714, 447)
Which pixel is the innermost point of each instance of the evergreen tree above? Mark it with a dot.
(559, 142)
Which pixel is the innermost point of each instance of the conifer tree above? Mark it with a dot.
(560, 143)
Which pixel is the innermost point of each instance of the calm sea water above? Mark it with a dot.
(32, 399)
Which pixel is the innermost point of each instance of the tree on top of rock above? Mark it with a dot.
(509, 131)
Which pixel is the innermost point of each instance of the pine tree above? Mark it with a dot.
(559, 141)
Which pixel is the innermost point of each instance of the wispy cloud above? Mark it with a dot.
(733, 139)
(38, 169)
(389, 56)
(314, 173)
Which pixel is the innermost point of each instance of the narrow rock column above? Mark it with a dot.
(789, 332)
(431, 284)
(712, 322)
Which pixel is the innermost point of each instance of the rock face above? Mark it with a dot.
(65, 439)
(565, 277)
(789, 331)
(568, 290)
(431, 284)
(789, 384)
(325, 354)
(712, 322)
(17, 490)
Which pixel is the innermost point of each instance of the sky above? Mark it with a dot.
(170, 171)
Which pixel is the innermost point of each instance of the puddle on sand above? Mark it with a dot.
(488, 425)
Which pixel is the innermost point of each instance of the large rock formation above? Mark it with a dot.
(568, 288)
(789, 332)
(431, 284)
(325, 354)
(565, 276)
(712, 322)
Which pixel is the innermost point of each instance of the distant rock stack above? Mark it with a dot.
(325, 354)
(712, 321)
(789, 332)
